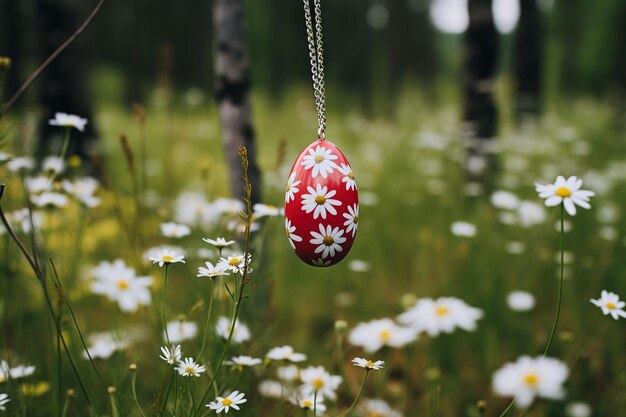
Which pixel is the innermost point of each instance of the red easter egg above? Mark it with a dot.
(321, 205)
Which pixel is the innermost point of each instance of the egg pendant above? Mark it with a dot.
(321, 205)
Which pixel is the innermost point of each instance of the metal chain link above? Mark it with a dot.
(316, 55)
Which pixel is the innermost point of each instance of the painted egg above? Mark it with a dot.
(321, 205)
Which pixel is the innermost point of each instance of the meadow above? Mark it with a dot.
(425, 232)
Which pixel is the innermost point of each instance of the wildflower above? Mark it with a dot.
(17, 372)
(236, 263)
(180, 330)
(288, 373)
(441, 315)
(329, 240)
(520, 301)
(321, 160)
(49, 199)
(528, 378)
(241, 362)
(375, 334)
(119, 284)
(4, 398)
(610, 304)
(83, 189)
(358, 265)
(103, 345)
(53, 165)
(463, 229)
(316, 380)
(175, 230)
(366, 363)
(20, 163)
(188, 368)
(171, 356)
(233, 400)
(285, 353)
(167, 257)
(241, 333)
(504, 200)
(37, 185)
(266, 210)
(530, 214)
(567, 192)
(292, 188)
(271, 389)
(319, 201)
(377, 407)
(309, 402)
(156, 251)
(578, 409)
(68, 120)
(212, 271)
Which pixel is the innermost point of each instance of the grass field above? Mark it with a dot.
(411, 179)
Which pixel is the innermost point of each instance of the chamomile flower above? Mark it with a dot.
(321, 160)
(368, 364)
(241, 333)
(52, 165)
(566, 192)
(288, 373)
(291, 233)
(240, 362)
(610, 303)
(309, 402)
(175, 230)
(20, 163)
(271, 389)
(266, 210)
(316, 380)
(463, 229)
(180, 330)
(4, 399)
(236, 263)
(528, 378)
(232, 400)
(220, 243)
(68, 120)
(50, 199)
(83, 189)
(212, 271)
(442, 315)
(285, 353)
(375, 334)
(329, 240)
(292, 188)
(166, 257)
(348, 177)
(119, 283)
(171, 356)
(578, 409)
(319, 201)
(103, 345)
(520, 301)
(352, 219)
(189, 367)
(377, 408)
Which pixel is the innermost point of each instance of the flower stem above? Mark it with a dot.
(167, 336)
(560, 296)
(208, 317)
(358, 394)
(64, 148)
(133, 380)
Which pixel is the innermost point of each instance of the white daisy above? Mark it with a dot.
(442, 315)
(348, 177)
(20, 163)
(319, 201)
(578, 409)
(567, 192)
(288, 373)
(321, 160)
(291, 233)
(271, 389)
(266, 210)
(233, 400)
(352, 219)
(610, 304)
(309, 402)
(50, 199)
(320, 262)
(171, 356)
(316, 380)
(212, 271)
(219, 242)
(4, 398)
(189, 367)
(292, 188)
(175, 230)
(528, 378)
(329, 240)
(368, 364)
(119, 283)
(83, 189)
(376, 408)
(103, 345)
(520, 301)
(166, 257)
(241, 333)
(285, 353)
(53, 165)
(463, 229)
(241, 362)
(68, 120)
(180, 330)
(236, 263)
(375, 334)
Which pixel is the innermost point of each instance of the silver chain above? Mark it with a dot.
(316, 55)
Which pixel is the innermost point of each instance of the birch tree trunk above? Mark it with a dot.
(232, 89)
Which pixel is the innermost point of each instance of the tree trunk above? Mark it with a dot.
(480, 116)
(527, 56)
(232, 77)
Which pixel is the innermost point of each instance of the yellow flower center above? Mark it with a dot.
(288, 187)
(318, 384)
(122, 284)
(234, 262)
(563, 192)
(2, 379)
(328, 240)
(167, 258)
(385, 335)
(227, 401)
(319, 159)
(442, 311)
(531, 379)
(350, 175)
(307, 404)
(189, 370)
(369, 364)
(610, 305)
(320, 199)
(355, 220)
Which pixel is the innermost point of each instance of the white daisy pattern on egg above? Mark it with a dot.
(320, 160)
(328, 240)
(348, 176)
(319, 201)
(352, 219)
(292, 188)
(291, 233)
